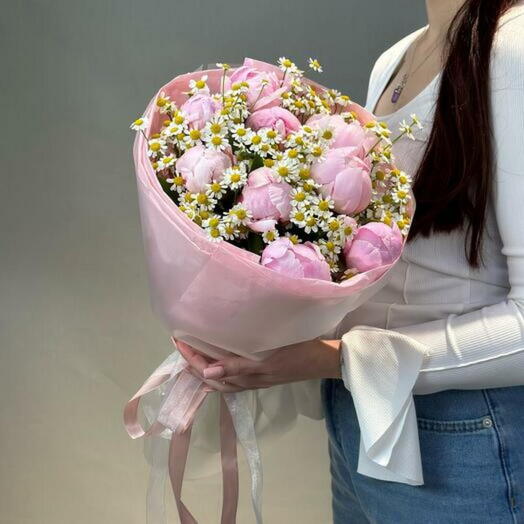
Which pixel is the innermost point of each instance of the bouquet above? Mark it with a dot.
(270, 208)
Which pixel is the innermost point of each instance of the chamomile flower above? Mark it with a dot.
(315, 65)
(415, 121)
(324, 206)
(214, 234)
(217, 142)
(156, 147)
(173, 130)
(329, 248)
(298, 217)
(228, 229)
(406, 129)
(400, 196)
(166, 162)
(240, 215)
(287, 65)
(286, 169)
(241, 134)
(311, 223)
(270, 235)
(216, 126)
(199, 86)
(164, 103)
(342, 100)
(316, 153)
(213, 221)
(334, 265)
(178, 183)
(235, 177)
(223, 66)
(295, 239)
(299, 198)
(254, 142)
(140, 124)
(205, 200)
(216, 190)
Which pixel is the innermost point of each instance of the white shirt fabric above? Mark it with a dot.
(439, 324)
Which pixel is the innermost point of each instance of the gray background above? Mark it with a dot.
(76, 333)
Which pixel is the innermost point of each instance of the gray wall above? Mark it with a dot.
(76, 333)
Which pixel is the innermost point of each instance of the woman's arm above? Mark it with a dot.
(483, 348)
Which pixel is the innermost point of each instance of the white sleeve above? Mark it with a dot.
(480, 349)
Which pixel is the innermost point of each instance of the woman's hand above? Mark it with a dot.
(307, 360)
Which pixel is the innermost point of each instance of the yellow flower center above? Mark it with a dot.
(155, 146)
(202, 199)
(215, 128)
(300, 197)
(299, 216)
(138, 122)
(241, 213)
(179, 119)
(269, 162)
(272, 134)
(311, 221)
(235, 177)
(214, 232)
(292, 153)
(327, 134)
(216, 140)
(241, 131)
(333, 225)
(194, 134)
(256, 140)
(323, 205)
(200, 84)
(287, 63)
(161, 102)
(214, 222)
(283, 171)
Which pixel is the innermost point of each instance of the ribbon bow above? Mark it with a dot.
(185, 394)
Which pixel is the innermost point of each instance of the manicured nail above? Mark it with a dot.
(213, 372)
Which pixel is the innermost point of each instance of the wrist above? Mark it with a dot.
(331, 358)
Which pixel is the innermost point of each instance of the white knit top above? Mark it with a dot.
(439, 324)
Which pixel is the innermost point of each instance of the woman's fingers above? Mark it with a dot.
(194, 359)
(233, 367)
(215, 385)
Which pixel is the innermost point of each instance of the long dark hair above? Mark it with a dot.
(454, 179)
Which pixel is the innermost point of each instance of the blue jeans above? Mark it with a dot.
(472, 446)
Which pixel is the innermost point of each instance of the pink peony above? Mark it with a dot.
(344, 177)
(200, 109)
(199, 166)
(344, 135)
(266, 199)
(375, 244)
(296, 261)
(264, 96)
(278, 118)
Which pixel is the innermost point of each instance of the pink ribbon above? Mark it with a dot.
(177, 414)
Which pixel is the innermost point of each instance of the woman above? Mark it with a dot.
(456, 296)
